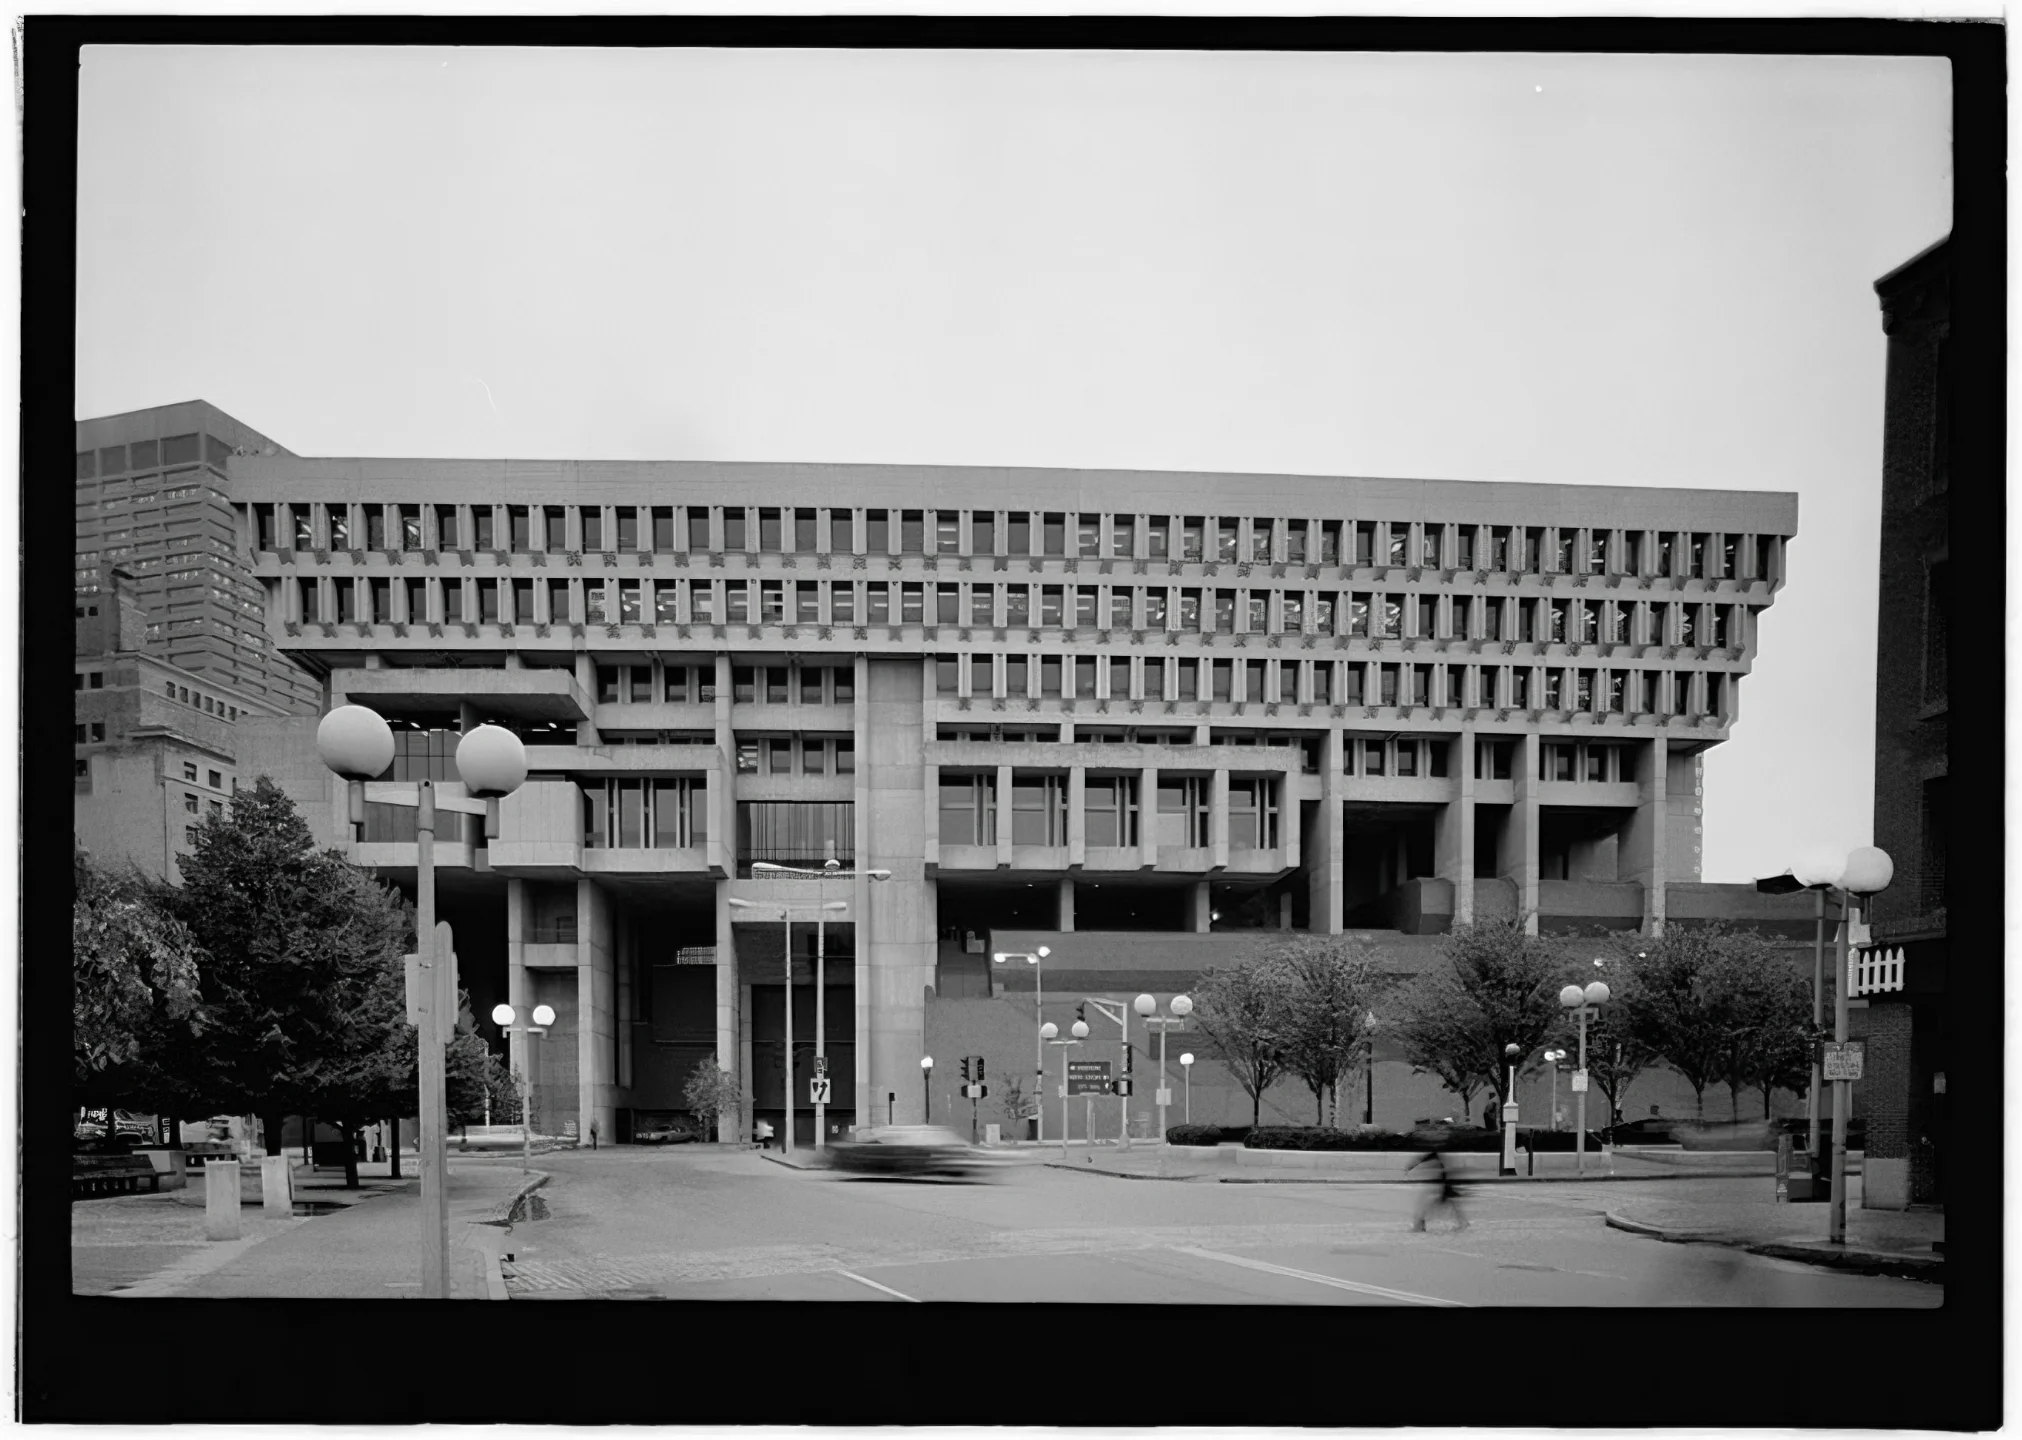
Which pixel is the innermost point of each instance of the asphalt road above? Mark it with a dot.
(682, 1223)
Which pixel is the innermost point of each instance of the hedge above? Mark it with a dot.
(1205, 1134)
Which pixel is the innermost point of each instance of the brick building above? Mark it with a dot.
(1904, 1091)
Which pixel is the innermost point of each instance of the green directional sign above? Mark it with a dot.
(1088, 1077)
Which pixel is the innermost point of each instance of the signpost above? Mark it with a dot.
(1088, 1077)
(817, 1090)
(1844, 1058)
(1579, 1082)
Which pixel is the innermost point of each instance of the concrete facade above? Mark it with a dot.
(1245, 705)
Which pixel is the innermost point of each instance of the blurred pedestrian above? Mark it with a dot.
(1440, 1192)
(763, 1130)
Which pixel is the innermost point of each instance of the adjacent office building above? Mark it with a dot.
(1147, 719)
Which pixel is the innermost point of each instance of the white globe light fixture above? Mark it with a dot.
(1868, 870)
(926, 1062)
(1181, 1006)
(1144, 1005)
(1818, 865)
(355, 742)
(1187, 1058)
(1048, 1030)
(544, 1015)
(1597, 993)
(1572, 997)
(501, 1015)
(1079, 1030)
(492, 761)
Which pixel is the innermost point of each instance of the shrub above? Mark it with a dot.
(1313, 1137)
(1205, 1134)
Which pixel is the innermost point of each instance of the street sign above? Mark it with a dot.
(1579, 1082)
(1843, 1058)
(1163, 1095)
(1088, 1077)
(818, 1090)
(975, 1092)
(820, 1065)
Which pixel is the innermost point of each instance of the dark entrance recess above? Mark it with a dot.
(1128, 905)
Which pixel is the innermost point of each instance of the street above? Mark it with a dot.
(692, 1224)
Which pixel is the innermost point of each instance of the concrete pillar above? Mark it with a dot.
(221, 1200)
(1066, 903)
(519, 993)
(728, 1057)
(1147, 818)
(625, 961)
(1640, 855)
(586, 680)
(1322, 849)
(1218, 818)
(1200, 907)
(1077, 816)
(1453, 828)
(277, 1190)
(744, 1056)
(595, 1024)
(1517, 854)
(861, 887)
(1003, 812)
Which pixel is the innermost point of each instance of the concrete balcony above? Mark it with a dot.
(1401, 789)
(536, 694)
(624, 860)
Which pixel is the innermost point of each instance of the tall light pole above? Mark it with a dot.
(1552, 1058)
(1047, 1036)
(1511, 1053)
(1581, 1001)
(927, 1089)
(1369, 1069)
(1121, 1016)
(1032, 958)
(1186, 1063)
(830, 870)
(544, 1016)
(1181, 1006)
(356, 743)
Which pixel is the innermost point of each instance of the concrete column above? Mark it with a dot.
(744, 1057)
(1200, 907)
(1453, 829)
(1077, 816)
(1517, 855)
(519, 993)
(1066, 903)
(625, 962)
(595, 1052)
(1147, 818)
(1003, 817)
(930, 815)
(728, 1055)
(586, 678)
(1288, 821)
(1323, 847)
(1218, 817)
(861, 887)
(1640, 854)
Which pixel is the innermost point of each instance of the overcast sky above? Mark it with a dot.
(1595, 270)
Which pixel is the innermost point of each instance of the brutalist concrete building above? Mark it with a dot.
(1183, 710)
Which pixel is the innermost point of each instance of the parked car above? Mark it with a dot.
(926, 1150)
(1651, 1130)
(665, 1132)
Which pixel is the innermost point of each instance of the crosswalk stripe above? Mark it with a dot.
(852, 1275)
(1405, 1295)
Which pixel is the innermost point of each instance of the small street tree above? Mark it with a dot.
(1616, 1053)
(712, 1092)
(1241, 1012)
(1498, 986)
(1332, 984)
(1684, 1004)
(1769, 1015)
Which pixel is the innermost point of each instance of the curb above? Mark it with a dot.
(1466, 1180)
(1930, 1270)
(1118, 1174)
(487, 1236)
(782, 1160)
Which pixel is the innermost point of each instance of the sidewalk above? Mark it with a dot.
(1149, 1161)
(1878, 1242)
(367, 1245)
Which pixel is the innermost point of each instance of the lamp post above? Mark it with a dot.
(356, 744)
(1181, 1006)
(1032, 958)
(786, 917)
(927, 1088)
(1552, 1058)
(543, 1016)
(1581, 1001)
(1048, 1034)
(830, 870)
(1511, 1054)
(1186, 1063)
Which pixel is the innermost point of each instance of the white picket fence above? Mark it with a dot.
(1876, 970)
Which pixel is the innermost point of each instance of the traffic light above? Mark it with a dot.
(979, 1069)
(967, 1077)
(1081, 1012)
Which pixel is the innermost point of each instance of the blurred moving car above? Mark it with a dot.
(913, 1150)
(1652, 1130)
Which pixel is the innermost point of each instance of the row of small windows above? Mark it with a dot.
(658, 528)
(749, 684)
(1330, 682)
(209, 704)
(968, 809)
(796, 755)
(1356, 614)
(147, 454)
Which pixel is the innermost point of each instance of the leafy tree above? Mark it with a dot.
(1017, 1105)
(1332, 984)
(1769, 1017)
(1499, 986)
(136, 999)
(1683, 1010)
(1616, 1053)
(1242, 1011)
(712, 1093)
(302, 970)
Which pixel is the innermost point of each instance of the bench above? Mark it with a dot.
(124, 1179)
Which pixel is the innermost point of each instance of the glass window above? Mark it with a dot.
(1154, 610)
(968, 810)
(1049, 605)
(1084, 677)
(1154, 678)
(769, 538)
(947, 532)
(1039, 810)
(1323, 682)
(701, 602)
(1258, 618)
(842, 531)
(912, 532)
(1158, 537)
(676, 677)
(810, 684)
(877, 532)
(1190, 609)
(947, 674)
(1053, 527)
(1015, 675)
(743, 683)
(947, 604)
(842, 602)
(982, 600)
(1191, 542)
(1260, 541)
(1187, 682)
(747, 757)
(1049, 676)
(1123, 536)
(1119, 677)
(1225, 540)
(1018, 605)
(736, 528)
(878, 604)
(1088, 535)
(845, 757)
(805, 528)
(777, 684)
(772, 601)
(1018, 533)
(779, 755)
(912, 604)
(698, 527)
(1120, 608)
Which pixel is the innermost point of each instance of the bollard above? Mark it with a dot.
(277, 1187)
(221, 1200)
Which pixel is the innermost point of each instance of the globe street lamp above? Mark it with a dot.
(1181, 1006)
(1186, 1062)
(1552, 1058)
(356, 744)
(1047, 1035)
(1032, 958)
(1511, 1054)
(544, 1016)
(1580, 1001)
(927, 1088)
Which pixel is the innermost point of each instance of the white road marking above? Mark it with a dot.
(852, 1275)
(1405, 1295)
